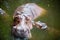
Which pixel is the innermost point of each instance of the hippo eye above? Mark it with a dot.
(21, 12)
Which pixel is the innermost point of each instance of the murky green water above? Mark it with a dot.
(52, 18)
